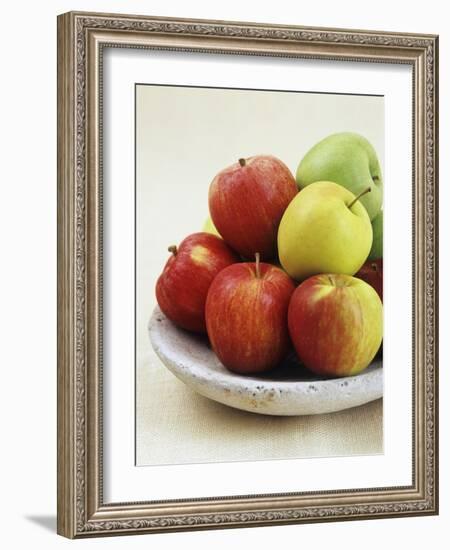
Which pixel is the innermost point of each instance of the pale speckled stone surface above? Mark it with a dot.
(289, 390)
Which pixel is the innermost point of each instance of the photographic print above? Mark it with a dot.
(259, 274)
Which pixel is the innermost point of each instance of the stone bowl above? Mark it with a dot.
(288, 390)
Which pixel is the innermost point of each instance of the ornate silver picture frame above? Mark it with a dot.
(82, 40)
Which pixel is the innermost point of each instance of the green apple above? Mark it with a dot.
(349, 160)
(325, 229)
(209, 227)
(376, 251)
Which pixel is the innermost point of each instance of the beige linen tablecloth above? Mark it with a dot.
(175, 425)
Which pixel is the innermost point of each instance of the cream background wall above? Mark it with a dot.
(28, 275)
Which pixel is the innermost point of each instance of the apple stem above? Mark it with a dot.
(173, 248)
(242, 162)
(258, 272)
(367, 190)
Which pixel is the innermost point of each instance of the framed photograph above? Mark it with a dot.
(247, 274)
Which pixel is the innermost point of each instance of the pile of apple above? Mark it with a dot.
(280, 268)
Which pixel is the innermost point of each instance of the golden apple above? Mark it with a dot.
(325, 229)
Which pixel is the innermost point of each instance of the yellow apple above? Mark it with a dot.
(325, 229)
(209, 227)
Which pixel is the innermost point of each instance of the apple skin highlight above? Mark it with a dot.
(246, 316)
(247, 201)
(335, 323)
(183, 285)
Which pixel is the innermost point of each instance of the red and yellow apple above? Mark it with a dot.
(182, 287)
(246, 316)
(247, 201)
(336, 324)
(372, 273)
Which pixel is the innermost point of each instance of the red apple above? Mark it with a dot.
(247, 201)
(182, 287)
(246, 316)
(335, 323)
(372, 273)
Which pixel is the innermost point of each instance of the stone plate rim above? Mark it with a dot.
(191, 360)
